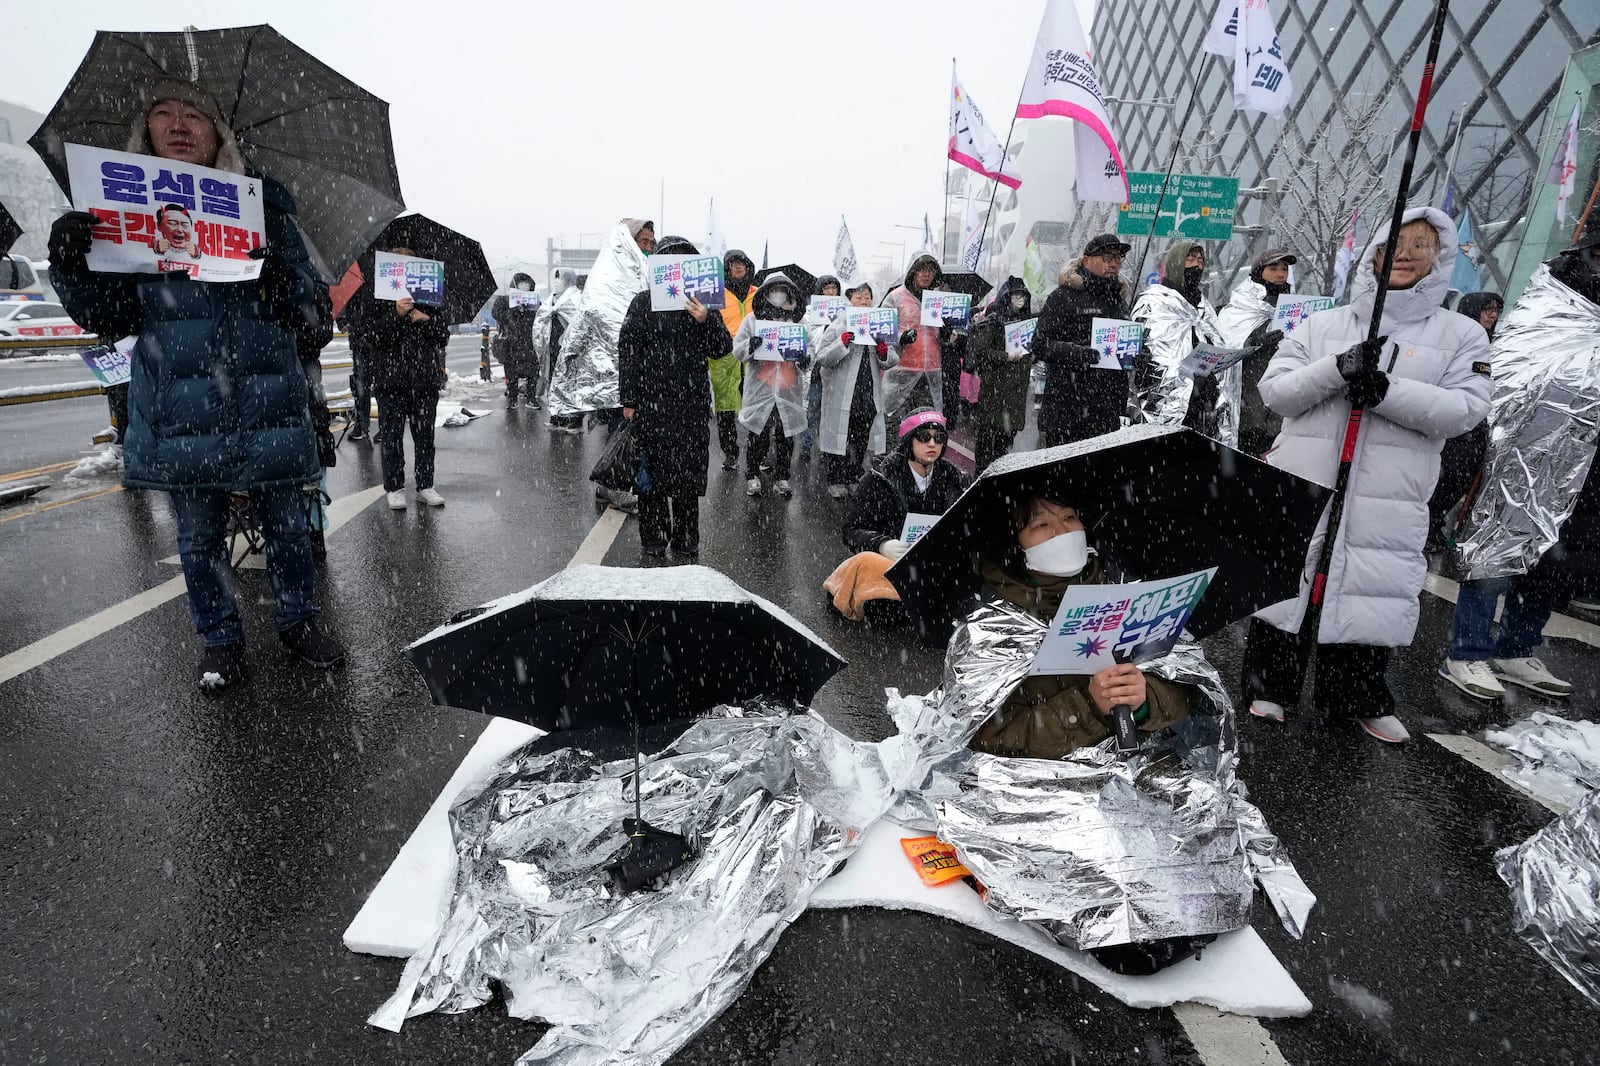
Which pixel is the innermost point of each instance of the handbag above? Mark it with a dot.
(618, 466)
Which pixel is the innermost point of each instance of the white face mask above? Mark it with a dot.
(1064, 555)
(524, 286)
(779, 300)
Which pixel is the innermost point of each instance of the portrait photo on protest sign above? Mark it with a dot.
(1098, 626)
(674, 279)
(1118, 341)
(394, 277)
(781, 341)
(155, 216)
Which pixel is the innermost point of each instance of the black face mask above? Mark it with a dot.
(1578, 272)
(1274, 289)
(1191, 282)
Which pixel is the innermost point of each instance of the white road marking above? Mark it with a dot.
(1227, 1039)
(594, 547)
(1491, 761)
(80, 633)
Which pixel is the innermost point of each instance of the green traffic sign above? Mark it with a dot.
(1195, 205)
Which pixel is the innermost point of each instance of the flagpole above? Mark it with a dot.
(1587, 207)
(944, 230)
(994, 184)
(1172, 160)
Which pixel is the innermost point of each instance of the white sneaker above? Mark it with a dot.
(782, 487)
(1387, 729)
(838, 492)
(752, 487)
(1583, 603)
(430, 496)
(1473, 677)
(1531, 674)
(397, 500)
(1272, 712)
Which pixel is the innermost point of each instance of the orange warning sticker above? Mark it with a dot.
(934, 860)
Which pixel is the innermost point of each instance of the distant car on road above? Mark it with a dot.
(35, 319)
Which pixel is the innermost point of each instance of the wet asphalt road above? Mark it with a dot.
(178, 870)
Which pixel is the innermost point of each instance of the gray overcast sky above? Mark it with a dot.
(518, 122)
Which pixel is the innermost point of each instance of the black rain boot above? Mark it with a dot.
(220, 667)
(307, 640)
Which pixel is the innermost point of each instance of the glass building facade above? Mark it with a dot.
(1356, 65)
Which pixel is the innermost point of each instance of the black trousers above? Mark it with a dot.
(990, 443)
(395, 410)
(774, 438)
(1349, 681)
(669, 518)
(728, 434)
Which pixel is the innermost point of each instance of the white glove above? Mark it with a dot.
(894, 549)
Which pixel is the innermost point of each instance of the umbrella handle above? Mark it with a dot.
(1123, 728)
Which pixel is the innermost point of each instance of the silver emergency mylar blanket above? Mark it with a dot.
(1544, 419)
(1170, 328)
(775, 803)
(1102, 849)
(585, 377)
(1555, 893)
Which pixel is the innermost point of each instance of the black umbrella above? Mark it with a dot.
(612, 647)
(468, 281)
(965, 281)
(803, 279)
(1159, 501)
(297, 120)
(9, 230)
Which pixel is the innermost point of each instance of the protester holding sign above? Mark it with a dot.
(1049, 716)
(405, 341)
(727, 372)
(218, 397)
(1178, 318)
(665, 394)
(919, 377)
(851, 397)
(1080, 399)
(1002, 408)
(1246, 322)
(893, 502)
(1424, 379)
(516, 315)
(774, 407)
(827, 289)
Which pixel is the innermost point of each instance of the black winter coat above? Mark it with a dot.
(405, 356)
(888, 492)
(1079, 401)
(516, 329)
(661, 371)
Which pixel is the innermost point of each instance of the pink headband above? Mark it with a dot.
(920, 418)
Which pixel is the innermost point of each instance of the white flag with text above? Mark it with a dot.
(845, 265)
(1062, 81)
(1243, 30)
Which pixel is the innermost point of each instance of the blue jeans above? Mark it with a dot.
(207, 571)
(1529, 602)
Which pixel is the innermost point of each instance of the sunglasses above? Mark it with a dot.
(930, 435)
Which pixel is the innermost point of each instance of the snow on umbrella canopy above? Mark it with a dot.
(614, 647)
(1158, 501)
(468, 281)
(297, 121)
(803, 279)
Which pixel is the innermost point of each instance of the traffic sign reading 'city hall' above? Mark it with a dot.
(1195, 205)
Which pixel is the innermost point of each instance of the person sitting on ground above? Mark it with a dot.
(1053, 715)
(914, 479)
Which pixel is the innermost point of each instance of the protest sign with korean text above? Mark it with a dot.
(1209, 359)
(524, 298)
(156, 215)
(111, 363)
(824, 309)
(1118, 341)
(872, 324)
(780, 340)
(1294, 309)
(676, 278)
(916, 526)
(1019, 337)
(1098, 626)
(394, 277)
(946, 309)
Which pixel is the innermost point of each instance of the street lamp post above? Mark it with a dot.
(902, 246)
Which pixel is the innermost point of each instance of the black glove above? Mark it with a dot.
(1367, 389)
(945, 333)
(1361, 358)
(908, 337)
(71, 236)
(278, 279)
(755, 345)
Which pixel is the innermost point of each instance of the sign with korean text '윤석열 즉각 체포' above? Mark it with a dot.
(1195, 205)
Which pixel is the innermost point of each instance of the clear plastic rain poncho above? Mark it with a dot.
(1101, 849)
(1545, 421)
(585, 377)
(1172, 326)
